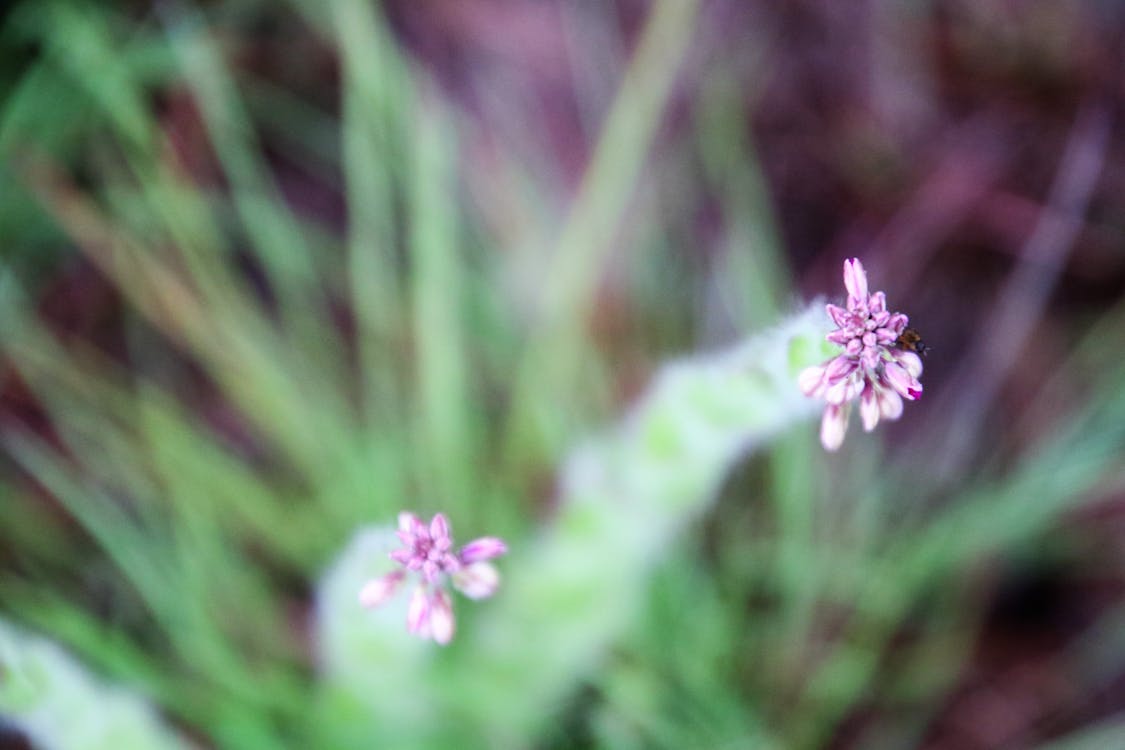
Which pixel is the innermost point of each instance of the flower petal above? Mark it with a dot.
(869, 408)
(809, 381)
(897, 323)
(484, 548)
(907, 386)
(890, 404)
(833, 425)
(911, 361)
(839, 315)
(855, 279)
(441, 617)
(409, 523)
(839, 368)
(379, 590)
(477, 581)
(877, 304)
(439, 528)
(845, 389)
(838, 392)
(885, 336)
(418, 615)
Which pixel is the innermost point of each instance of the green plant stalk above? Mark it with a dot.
(586, 240)
(751, 277)
(198, 313)
(444, 422)
(375, 103)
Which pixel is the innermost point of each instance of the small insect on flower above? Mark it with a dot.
(878, 365)
(427, 553)
(910, 340)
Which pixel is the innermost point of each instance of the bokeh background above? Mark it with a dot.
(272, 271)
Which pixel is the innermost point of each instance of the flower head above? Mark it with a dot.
(872, 366)
(428, 554)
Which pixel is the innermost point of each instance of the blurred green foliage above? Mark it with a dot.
(282, 378)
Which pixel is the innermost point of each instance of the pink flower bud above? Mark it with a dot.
(418, 615)
(426, 555)
(378, 590)
(441, 618)
(439, 528)
(477, 581)
(869, 408)
(810, 379)
(485, 548)
(890, 404)
(855, 279)
(833, 425)
(901, 380)
(873, 366)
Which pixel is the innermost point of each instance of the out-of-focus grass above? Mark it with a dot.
(283, 380)
(335, 432)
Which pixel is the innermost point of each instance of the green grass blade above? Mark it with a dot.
(558, 334)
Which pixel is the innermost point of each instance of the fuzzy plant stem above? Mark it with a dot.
(574, 587)
(58, 705)
(625, 496)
